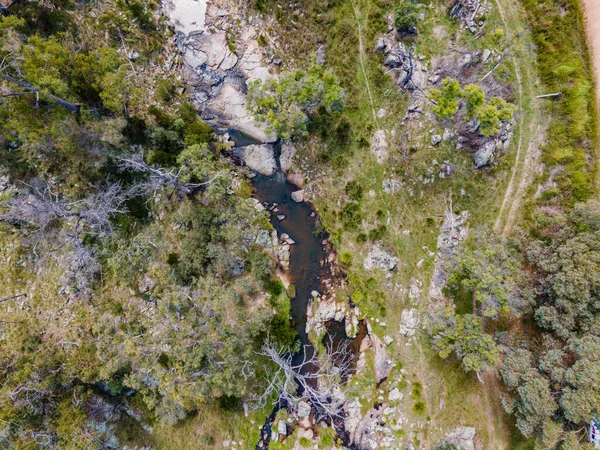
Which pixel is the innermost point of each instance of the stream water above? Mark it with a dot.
(307, 268)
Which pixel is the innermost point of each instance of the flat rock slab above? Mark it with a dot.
(378, 258)
(260, 158)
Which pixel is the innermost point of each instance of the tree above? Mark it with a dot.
(475, 98)
(581, 397)
(567, 281)
(492, 114)
(286, 104)
(490, 271)
(317, 378)
(535, 404)
(405, 16)
(447, 98)
(464, 335)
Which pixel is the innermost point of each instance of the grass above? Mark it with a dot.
(564, 66)
(411, 217)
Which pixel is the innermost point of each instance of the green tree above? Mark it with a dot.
(406, 16)
(490, 271)
(464, 335)
(447, 98)
(492, 114)
(286, 104)
(567, 265)
(475, 99)
(581, 396)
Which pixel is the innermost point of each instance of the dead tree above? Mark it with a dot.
(158, 176)
(319, 379)
(403, 60)
(42, 209)
(17, 78)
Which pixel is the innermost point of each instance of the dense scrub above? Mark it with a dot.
(129, 273)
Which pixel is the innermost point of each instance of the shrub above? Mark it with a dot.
(419, 408)
(405, 17)
(346, 258)
(354, 190)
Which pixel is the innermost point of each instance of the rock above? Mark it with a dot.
(380, 44)
(395, 395)
(434, 79)
(353, 415)
(286, 159)
(379, 146)
(410, 322)
(484, 155)
(387, 340)
(298, 196)
(378, 258)
(366, 434)
(264, 238)
(447, 170)
(409, 446)
(280, 216)
(146, 284)
(382, 363)
(461, 437)
(260, 158)
(390, 185)
(227, 109)
(448, 134)
(281, 427)
(486, 55)
(186, 16)
(466, 60)
(436, 139)
(320, 59)
(303, 409)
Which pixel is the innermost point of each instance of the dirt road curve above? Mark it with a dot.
(591, 12)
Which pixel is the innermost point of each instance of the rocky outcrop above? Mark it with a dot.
(379, 146)
(260, 158)
(453, 232)
(215, 70)
(382, 362)
(378, 258)
(324, 309)
(366, 434)
(461, 438)
(410, 322)
(286, 157)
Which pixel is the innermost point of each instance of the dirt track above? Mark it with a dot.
(591, 12)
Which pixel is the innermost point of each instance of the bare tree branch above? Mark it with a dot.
(319, 379)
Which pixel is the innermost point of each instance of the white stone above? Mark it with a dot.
(395, 395)
(298, 196)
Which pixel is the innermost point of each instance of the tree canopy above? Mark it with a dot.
(285, 104)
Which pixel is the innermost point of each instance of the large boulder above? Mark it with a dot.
(260, 158)
(483, 156)
(286, 158)
(378, 258)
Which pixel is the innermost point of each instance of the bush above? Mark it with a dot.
(405, 17)
(419, 408)
(354, 190)
(346, 258)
